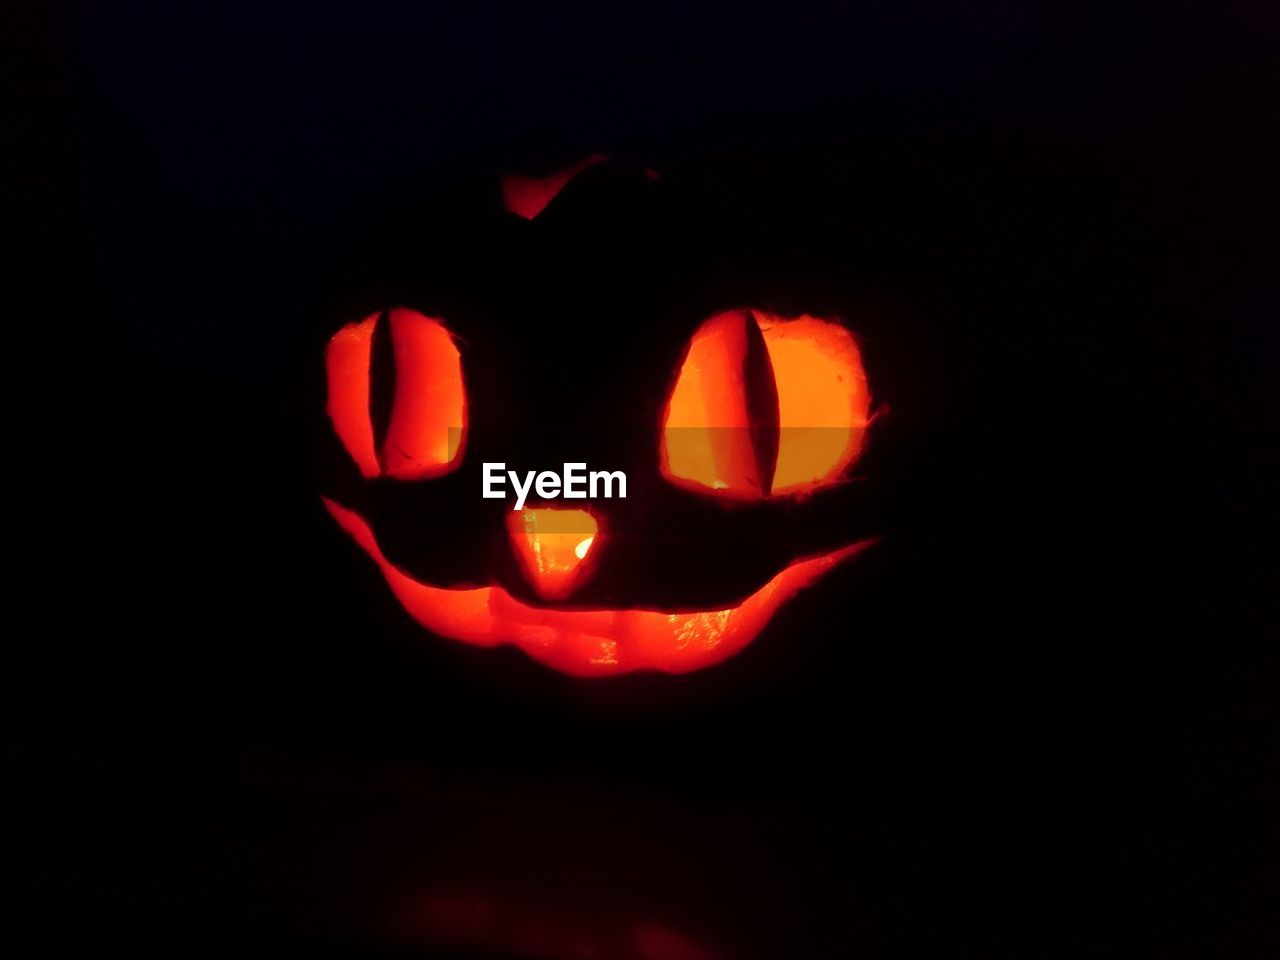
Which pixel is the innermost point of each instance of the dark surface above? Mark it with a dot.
(1038, 721)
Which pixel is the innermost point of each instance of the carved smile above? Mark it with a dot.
(593, 643)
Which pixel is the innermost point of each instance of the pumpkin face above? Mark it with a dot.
(640, 331)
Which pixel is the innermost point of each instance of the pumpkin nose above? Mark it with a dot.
(553, 546)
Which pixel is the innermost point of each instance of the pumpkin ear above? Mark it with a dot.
(396, 395)
(528, 196)
(765, 406)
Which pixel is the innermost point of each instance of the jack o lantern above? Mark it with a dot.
(601, 317)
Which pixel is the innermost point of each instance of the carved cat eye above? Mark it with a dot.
(765, 406)
(396, 395)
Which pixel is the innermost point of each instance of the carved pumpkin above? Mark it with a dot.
(609, 317)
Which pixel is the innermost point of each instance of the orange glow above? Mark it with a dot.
(823, 400)
(427, 426)
(528, 196)
(491, 925)
(592, 643)
(424, 436)
(706, 440)
(347, 365)
(552, 546)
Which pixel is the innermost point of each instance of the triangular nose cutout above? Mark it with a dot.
(554, 547)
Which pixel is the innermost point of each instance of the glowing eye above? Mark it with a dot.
(707, 434)
(765, 406)
(410, 363)
(823, 400)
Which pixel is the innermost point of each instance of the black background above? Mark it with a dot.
(1038, 722)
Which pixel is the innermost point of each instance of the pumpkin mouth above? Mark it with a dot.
(593, 643)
